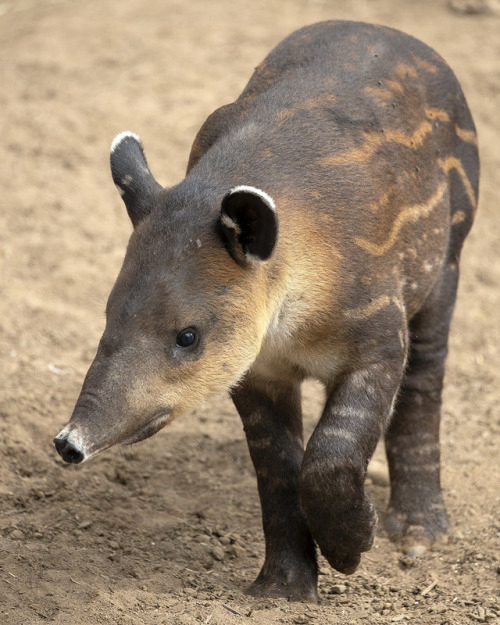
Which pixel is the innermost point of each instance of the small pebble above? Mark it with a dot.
(338, 589)
(218, 553)
(17, 535)
(114, 545)
(407, 562)
(237, 550)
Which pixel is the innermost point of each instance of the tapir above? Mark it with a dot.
(317, 234)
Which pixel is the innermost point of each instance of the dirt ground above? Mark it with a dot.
(168, 531)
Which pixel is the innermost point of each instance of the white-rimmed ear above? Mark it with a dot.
(249, 224)
(132, 177)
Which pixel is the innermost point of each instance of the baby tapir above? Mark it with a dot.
(317, 234)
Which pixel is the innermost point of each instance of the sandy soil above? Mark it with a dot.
(168, 531)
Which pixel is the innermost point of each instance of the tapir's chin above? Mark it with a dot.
(154, 425)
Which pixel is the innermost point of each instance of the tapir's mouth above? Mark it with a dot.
(153, 426)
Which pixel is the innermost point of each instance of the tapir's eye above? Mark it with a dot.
(186, 338)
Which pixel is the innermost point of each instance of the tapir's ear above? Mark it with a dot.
(132, 177)
(249, 224)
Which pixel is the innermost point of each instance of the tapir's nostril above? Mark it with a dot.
(67, 451)
(60, 443)
(70, 454)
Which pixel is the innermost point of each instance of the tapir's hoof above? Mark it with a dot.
(295, 579)
(262, 588)
(415, 549)
(344, 540)
(347, 562)
(415, 539)
(417, 543)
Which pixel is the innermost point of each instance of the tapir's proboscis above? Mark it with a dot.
(317, 234)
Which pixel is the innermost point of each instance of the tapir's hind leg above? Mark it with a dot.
(417, 515)
(272, 418)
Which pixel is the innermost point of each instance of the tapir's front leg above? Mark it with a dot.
(340, 516)
(272, 418)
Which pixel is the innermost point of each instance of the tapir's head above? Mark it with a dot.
(189, 310)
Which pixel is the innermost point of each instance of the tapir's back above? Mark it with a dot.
(368, 129)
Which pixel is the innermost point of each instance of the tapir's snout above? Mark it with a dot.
(68, 449)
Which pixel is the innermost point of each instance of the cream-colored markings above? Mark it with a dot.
(379, 93)
(283, 115)
(326, 467)
(196, 150)
(410, 141)
(394, 85)
(255, 419)
(437, 506)
(458, 218)
(432, 113)
(382, 202)
(426, 449)
(399, 305)
(428, 467)
(404, 71)
(312, 103)
(261, 443)
(407, 214)
(425, 65)
(454, 163)
(368, 310)
(468, 136)
(318, 467)
(422, 448)
(351, 413)
(376, 140)
(326, 98)
(334, 431)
